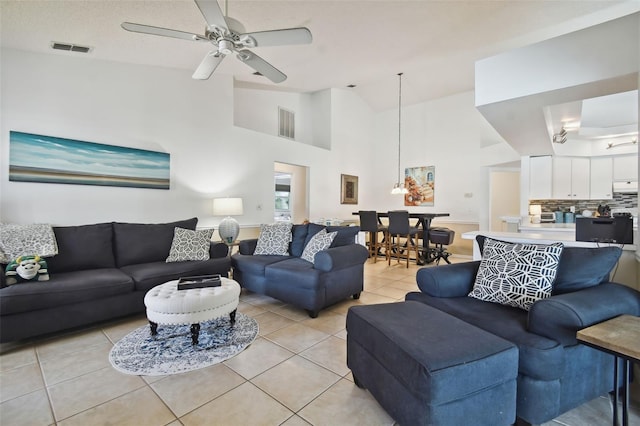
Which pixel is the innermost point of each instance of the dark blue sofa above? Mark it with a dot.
(555, 372)
(101, 272)
(336, 274)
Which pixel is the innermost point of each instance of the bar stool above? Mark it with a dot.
(441, 237)
(399, 227)
(369, 223)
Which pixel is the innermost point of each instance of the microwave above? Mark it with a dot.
(547, 217)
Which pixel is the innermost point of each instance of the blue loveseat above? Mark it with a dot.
(101, 272)
(555, 372)
(336, 273)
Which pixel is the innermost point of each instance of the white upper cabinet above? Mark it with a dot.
(625, 167)
(540, 178)
(571, 178)
(601, 178)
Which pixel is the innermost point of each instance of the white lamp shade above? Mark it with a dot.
(227, 206)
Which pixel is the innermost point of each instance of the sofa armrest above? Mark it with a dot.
(455, 280)
(217, 250)
(248, 246)
(340, 257)
(560, 317)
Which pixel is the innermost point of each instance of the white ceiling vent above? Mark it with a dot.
(70, 47)
(286, 123)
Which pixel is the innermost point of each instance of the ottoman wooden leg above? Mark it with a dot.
(154, 328)
(195, 332)
(232, 316)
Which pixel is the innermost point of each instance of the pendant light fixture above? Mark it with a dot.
(398, 187)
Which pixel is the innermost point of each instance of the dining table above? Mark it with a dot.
(425, 255)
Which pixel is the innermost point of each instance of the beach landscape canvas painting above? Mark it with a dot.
(48, 159)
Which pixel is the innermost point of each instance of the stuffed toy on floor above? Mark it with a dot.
(27, 268)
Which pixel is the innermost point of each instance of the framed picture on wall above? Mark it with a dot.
(420, 182)
(348, 189)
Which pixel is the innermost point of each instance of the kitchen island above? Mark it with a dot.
(624, 273)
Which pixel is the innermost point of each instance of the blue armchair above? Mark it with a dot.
(555, 372)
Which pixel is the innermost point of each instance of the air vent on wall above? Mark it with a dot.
(70, 47)
(286, 123)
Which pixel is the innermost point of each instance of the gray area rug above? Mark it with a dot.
(171, 351)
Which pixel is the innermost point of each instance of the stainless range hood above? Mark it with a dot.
(626, 186)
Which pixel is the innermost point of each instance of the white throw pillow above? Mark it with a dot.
(190, 245)
(274, 239)
(516, 274)
(320, 241)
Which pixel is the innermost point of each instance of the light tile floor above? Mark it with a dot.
(293, 374)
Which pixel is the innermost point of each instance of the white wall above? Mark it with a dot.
(150, 108)
(450, 134)
(165, 110)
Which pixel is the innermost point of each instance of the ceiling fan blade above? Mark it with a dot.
(165, 32)
(262, 66)
(212, 13)
(277, 37)
(208, 65)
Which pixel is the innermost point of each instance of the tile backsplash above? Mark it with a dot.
(620, 201)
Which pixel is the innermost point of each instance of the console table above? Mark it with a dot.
(620, 337)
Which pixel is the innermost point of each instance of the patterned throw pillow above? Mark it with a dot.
(274, 239)
(20, 240)
(190, 245)
(516, 274)
(321, 241)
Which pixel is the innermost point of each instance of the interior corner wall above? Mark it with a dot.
(450, 134)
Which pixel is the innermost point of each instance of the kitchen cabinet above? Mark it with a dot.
(625, 167)
(540, 172)
(601, 178)
(571, 178)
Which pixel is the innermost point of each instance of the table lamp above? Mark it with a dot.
(229, 227)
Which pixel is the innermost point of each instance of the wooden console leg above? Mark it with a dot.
(232, 316)
(195, 332)
(154, 328)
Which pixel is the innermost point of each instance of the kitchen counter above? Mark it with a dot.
(548, 227)
(624, 273)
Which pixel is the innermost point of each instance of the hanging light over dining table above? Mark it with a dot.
(398, 187)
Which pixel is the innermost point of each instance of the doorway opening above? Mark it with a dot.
(504, 196)
(291, 202)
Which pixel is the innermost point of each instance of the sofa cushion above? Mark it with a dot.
(65, 288)
(298, 239)
(540, 357)
(149, 275)
(255, 264)
(82, 247)
(145, 242)
(274, 239)
(190, 245)
(516, 274)
(582, 267)
(320, 241)
(346, 234)
(295, 273)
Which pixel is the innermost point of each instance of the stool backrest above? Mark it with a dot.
(399, 222)
(368, 220)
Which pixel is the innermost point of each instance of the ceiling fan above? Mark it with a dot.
(229, 36)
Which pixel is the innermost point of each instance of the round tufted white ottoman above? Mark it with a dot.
(168, 305)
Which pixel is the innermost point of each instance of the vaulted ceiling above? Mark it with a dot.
(365, 43)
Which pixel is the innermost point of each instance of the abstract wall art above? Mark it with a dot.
(48, 159)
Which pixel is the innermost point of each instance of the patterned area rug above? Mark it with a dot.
(171, 351)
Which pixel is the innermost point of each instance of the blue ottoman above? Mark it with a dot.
(426, 367)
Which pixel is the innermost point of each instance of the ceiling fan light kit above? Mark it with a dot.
(228, 35)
